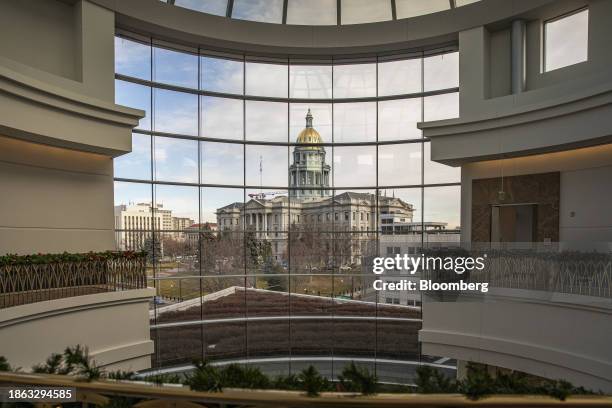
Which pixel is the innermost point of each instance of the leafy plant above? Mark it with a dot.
(121, 375)
(238, 376)
(14, 259)
(312, 382)
(205, 377)
(358, 379)
(431, 381)
(74, 361)
(287, 382)
(164, 379)
(4, 365)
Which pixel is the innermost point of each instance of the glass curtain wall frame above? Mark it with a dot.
(319, 12)
(210, 175)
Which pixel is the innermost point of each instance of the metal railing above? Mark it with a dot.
(30, 283)
(566, 272)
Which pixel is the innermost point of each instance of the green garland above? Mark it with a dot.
(38, 259)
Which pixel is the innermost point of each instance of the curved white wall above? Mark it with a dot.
(559, 337)
(113, 325)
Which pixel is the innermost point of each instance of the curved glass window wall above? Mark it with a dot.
(284, 177)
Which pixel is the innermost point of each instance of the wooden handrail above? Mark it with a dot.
(270, 398)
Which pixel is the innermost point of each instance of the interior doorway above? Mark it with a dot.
(514, 223)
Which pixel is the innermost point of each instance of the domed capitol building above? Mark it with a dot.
(311, 208)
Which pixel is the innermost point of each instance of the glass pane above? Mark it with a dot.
(132, 213)
(397, 119)
(310, 81)
(411, 8)
(222, 254)
(444, 106)
(321, 120)
(312, 12)
(399, 77)
(177, 345)
(177, 206)
(175, 112)
(265, 11)
(354, 81)
(354, 166)
(441, 71)
(355, 122)
(566, 40)
(266, 121)
(399, 164)
(217, 7)
(437, 172)
(137, 163)
(135, 96)
(402, 217)
(178, 259)
(442, 214)
(175, 159)
(175, 67)
(222, 75)
(266, 165)
(365, 11)
(132, 58)
(223, 207)
(266, 79)
(222, 118)
(222, 163)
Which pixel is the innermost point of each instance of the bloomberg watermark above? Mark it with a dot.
(423, 264)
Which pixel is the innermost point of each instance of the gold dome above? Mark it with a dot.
(309, 135)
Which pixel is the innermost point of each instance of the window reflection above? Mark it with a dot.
(355, 122)
(354, 166)
(399, 77)
(443, 106)
(399, 164)
(266, 79)
(397, 119)
(437, 172)
(443, 205)
(310, 81)
(354, 81)
(441, 71)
